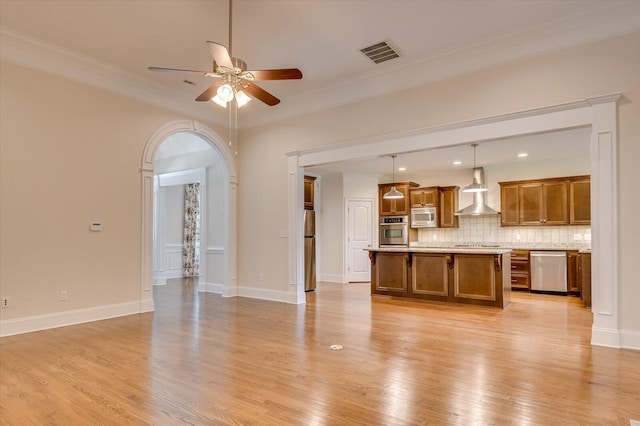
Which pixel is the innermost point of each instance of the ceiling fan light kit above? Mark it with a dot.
(235, 81)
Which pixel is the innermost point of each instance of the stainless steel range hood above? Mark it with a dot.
(478, 208)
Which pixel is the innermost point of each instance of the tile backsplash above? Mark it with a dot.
(487, 229)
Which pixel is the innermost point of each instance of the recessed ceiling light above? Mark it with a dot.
(522, 154)
(457, 163)
(402, 169)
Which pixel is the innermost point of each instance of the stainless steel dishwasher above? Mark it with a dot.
(549, 271)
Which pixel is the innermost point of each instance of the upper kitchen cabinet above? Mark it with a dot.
(580, 201)
(421, 197)
(545, 202)
(309, 184)
(510, 204)
(396, 207)
(448, 206)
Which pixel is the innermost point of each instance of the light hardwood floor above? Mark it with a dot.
(205, 360)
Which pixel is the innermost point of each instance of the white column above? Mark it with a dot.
(604, 218)
(296, 231)
(146, 295)
(230, 284)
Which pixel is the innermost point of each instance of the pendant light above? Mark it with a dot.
(475, 186)
(394, 194)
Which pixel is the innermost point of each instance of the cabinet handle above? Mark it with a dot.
(514, 281)
(513, 267)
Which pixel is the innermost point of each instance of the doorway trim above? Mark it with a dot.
(230, 199)
(600, 113)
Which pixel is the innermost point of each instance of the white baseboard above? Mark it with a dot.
(608, 337)
(78, 316)
(265, 294)
(332, 278)
(630, 339)
(211, 287)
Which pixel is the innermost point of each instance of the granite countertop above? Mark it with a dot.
(508, 245)
(452, 250)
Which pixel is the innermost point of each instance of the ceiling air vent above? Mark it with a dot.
(380, 52)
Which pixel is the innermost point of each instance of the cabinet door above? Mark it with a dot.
(555, 203)
(309, 183)
(424, 197)
(580, 202)
(509, 205)
(402, 204)
(531, 204)
(448, 206)
(474, 277)
(417, 198)
(387, 207)
(572, 272)
(430, 274)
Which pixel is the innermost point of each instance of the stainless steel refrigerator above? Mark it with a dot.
(309, 250)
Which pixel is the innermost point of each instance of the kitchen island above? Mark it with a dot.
(480, 276)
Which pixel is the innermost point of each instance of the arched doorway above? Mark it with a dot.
(227, 198)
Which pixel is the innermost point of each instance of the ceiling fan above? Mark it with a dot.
(234, 80)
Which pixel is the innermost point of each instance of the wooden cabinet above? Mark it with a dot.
(546, 202)
(421, 197)
(443, 198)
(580, 202)
(509, 205)
(584, 278)
(478, 278)
(430, 274)
(309, 187)
(389, 272)
(543, 203)
(399, 206)
(520, 270)
(573, 281)
(448, 206)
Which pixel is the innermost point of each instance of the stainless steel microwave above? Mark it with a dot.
(424, 217)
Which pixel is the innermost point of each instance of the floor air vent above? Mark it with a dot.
(380, 52)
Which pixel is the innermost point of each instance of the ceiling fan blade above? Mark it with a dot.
(220, 54)
(179, 70)
(280, 74)
(209, 93)
(260, 94)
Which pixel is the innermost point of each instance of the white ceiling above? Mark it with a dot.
(111, 43)
(570, 145)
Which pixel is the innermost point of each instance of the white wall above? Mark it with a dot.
(564, 76)
(62, 167)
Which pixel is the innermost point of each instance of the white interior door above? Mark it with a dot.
(359, 239)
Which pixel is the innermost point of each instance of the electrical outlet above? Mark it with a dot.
(5, 302)
(63, 295)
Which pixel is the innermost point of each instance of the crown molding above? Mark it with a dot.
(30, 52)
(611, 20)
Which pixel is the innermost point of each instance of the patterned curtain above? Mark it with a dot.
(191, 240)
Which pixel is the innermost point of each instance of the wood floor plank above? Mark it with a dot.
(202, 359)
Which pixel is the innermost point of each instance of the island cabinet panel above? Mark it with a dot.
(445, 276)
(474, 277)
(584, 277)
(389, 272)
(430, 274)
